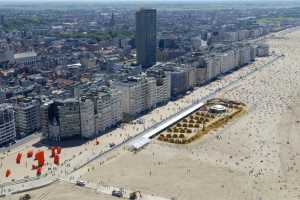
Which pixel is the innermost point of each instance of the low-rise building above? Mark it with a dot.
(26, 58)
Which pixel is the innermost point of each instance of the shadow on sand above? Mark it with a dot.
(70, 142)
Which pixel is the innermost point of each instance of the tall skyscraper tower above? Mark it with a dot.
(112, 20)
(1, 20)
(146, 37)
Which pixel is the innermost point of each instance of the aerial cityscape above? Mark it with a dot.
(150, 100)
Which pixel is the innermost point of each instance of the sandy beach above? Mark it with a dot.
(257, 156)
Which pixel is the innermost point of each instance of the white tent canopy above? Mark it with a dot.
(138, 143)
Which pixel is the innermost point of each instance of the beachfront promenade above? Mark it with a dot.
(147, 132)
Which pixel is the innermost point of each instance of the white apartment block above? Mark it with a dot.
(150, 92)
(227, 61)
(28, 118)
(201, 75)
(209, 68)
(236, 57)
(108, 109)
(138, 94)
(7, 124)
(163, 89)
(87, 117)
(192, 76)
(245, 55)
(213, 65)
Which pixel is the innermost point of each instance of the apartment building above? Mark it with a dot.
(45, 118)
(163, 85)
(2, 96)
(227, 61)
(262, 50)
(108, 109)
(7, 124)
(138, 94)
(245, 55)
(61, 119)
(27, 116)
(87, 117)
(68, 117)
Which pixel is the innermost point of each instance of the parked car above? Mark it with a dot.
(117, 193)
(25, 197)
(81, 183)
(111, 145)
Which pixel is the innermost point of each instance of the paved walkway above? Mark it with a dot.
(25, 185)
(107, 190)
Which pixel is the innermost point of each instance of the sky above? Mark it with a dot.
(155, 1)
(210, 1)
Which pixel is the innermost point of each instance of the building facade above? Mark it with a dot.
(27, 116)
(61, 119)
(262, 50)
(7, 124)
(87, 117)
(146, 37)
(138, 94)
(45, 118)
(2, 96)
(163, 85)
(26, 58)
(108, 109)
(68, 118)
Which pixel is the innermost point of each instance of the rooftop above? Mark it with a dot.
(5, 106)
(28, 54)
